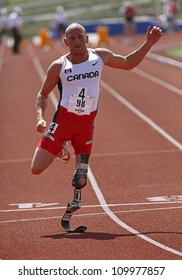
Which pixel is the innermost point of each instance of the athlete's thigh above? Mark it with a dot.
(82, 143)
(41, 160)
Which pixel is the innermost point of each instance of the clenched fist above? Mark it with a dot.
(41, 125)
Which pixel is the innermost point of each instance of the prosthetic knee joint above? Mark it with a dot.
(79, 179)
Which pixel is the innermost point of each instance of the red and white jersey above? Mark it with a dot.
(80, 84)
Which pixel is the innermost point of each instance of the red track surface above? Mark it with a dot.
(134, 161)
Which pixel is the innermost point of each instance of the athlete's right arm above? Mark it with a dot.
(49, 83)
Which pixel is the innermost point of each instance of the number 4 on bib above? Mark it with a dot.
(82, 93)
(52, 128)
(80, 103)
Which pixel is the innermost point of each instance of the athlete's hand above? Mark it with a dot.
(154, 34)
(41, 125)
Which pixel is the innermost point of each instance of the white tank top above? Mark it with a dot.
(80, 84)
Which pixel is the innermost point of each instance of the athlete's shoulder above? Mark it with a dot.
(103, 53)
(56, 65)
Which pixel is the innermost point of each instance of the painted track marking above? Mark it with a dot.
(94, 214)
(165, 60)
(26, 209)
(2, 50)
(142, 116)
(119, 222)
(157, 81)
(110, 154)
(159, 58)
(91, 177)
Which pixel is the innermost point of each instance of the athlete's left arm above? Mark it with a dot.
(133, 59)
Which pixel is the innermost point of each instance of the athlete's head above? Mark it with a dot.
(76, 38)
(73, 27)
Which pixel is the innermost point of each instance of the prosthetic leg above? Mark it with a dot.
(71, 208)
(78, 182)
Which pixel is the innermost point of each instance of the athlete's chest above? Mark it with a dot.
(88, 70)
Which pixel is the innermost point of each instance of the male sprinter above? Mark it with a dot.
(78, 75)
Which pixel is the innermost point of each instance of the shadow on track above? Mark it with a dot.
(99, 235)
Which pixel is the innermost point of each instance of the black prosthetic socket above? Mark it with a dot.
(79, 179)
(84, 158)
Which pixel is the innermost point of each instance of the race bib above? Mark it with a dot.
(81, 103)
(52, 128)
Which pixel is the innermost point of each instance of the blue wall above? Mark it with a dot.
(116, 28)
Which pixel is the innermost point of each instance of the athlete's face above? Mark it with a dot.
(76, 40)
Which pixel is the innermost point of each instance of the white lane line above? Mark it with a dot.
(165, 59)
(94, 214)
(40, 71)
(154, 79)
(26, 209)
(2, 50)
(119, 222)
(163, 47)
(92, 178)
(29, 220)
(157, 81)
(15, 160)
(135, 153)
(110, 154)
(157, 57)
(137, 112)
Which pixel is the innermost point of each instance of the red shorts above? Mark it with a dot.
(68, 126)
